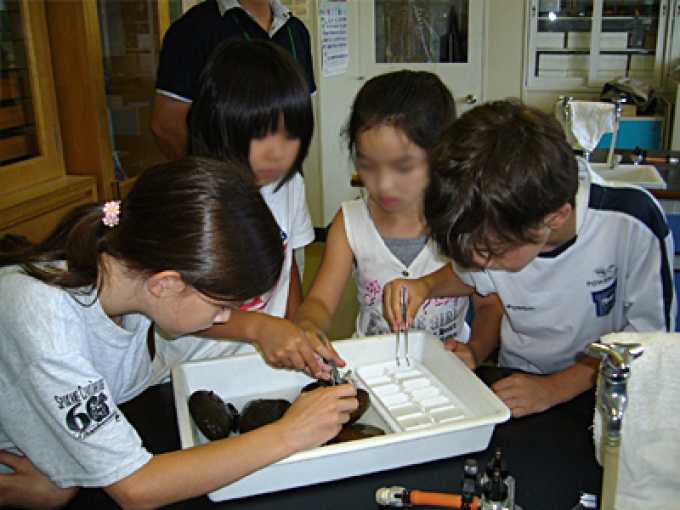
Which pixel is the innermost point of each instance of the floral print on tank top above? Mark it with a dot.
(435, 315)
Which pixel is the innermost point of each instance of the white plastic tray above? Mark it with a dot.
(454, 415)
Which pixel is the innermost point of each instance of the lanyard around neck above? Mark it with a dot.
(247, 36)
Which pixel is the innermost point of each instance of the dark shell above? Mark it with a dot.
(212, 416)
(364, 402)
(362, 396)
(356, 431)
(262, 411)
(315, 384)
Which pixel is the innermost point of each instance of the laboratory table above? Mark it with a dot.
(551, 456)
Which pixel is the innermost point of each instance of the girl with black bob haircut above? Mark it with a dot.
(192, 240)
(246, 90)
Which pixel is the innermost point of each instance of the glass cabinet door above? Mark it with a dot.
(29, 150)
(17, 119)
(431, 31)
(442, 36)
(131, 37)
(581, 43)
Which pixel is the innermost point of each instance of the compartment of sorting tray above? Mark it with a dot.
(409, 397)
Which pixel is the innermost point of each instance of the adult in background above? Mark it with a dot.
(191, 39)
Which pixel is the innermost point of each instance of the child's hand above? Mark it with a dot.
(525, 393)
(417, 293)
(28, 487)
(325, 351)
(463, 351)
(285, 345)
(317, 416)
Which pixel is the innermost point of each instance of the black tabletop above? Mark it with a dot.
(550, 455)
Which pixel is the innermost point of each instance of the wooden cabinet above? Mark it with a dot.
(76, 88)
(35, 191)
(105, 56)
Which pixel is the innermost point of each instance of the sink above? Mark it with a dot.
(646, 176)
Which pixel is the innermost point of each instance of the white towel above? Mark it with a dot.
(649, 465)
(589, 120)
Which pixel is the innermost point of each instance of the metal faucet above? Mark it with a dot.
(613, 397)
(618, 110)
(565, 100)
(615, 370)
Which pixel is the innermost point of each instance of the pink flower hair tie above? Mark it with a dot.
(111, 212)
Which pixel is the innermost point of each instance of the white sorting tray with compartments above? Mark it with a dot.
(433, 408)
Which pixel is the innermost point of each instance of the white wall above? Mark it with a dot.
(330, 169)
(504, 48)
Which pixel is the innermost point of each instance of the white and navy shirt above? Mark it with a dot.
(615, 275)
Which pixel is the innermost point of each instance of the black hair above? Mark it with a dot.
(203, 218)
(417, 103)
(497, 172)
(241, 94)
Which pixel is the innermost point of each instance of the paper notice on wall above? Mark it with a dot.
(334, 38)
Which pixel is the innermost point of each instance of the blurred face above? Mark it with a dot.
(515, 258)
(273, 155)
(190, 311)
(393, 169)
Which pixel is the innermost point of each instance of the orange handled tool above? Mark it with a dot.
(400, 497)
(440, 499)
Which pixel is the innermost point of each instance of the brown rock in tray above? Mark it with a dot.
(262, 411)
(362, 396)
(211, 415)
(356, 431)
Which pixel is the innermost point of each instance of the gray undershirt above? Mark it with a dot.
(406, 250)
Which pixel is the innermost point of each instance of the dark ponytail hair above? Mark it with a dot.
(203, 218)
(241, 94)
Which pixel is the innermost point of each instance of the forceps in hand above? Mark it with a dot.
(335, 375)
(404, 328)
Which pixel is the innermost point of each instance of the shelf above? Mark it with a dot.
(589, 18)
(569, 51)
(34, 211)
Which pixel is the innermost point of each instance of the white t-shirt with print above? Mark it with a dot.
(64, 368)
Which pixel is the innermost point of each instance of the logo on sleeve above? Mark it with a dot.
(604, 300)
(85, 409)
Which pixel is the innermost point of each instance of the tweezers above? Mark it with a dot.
(404, 328)
(336, 378)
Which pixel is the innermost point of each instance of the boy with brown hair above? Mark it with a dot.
(571, 257)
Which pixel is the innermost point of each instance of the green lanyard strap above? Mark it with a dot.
(247, 37)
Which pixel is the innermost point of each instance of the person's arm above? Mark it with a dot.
(28, 487)
(169, 126)
(322, 301)
(528, 394)
(294, 291)
(283, 344)
(484, 331)
(442, 283)
(651, 304)
(314, 418)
